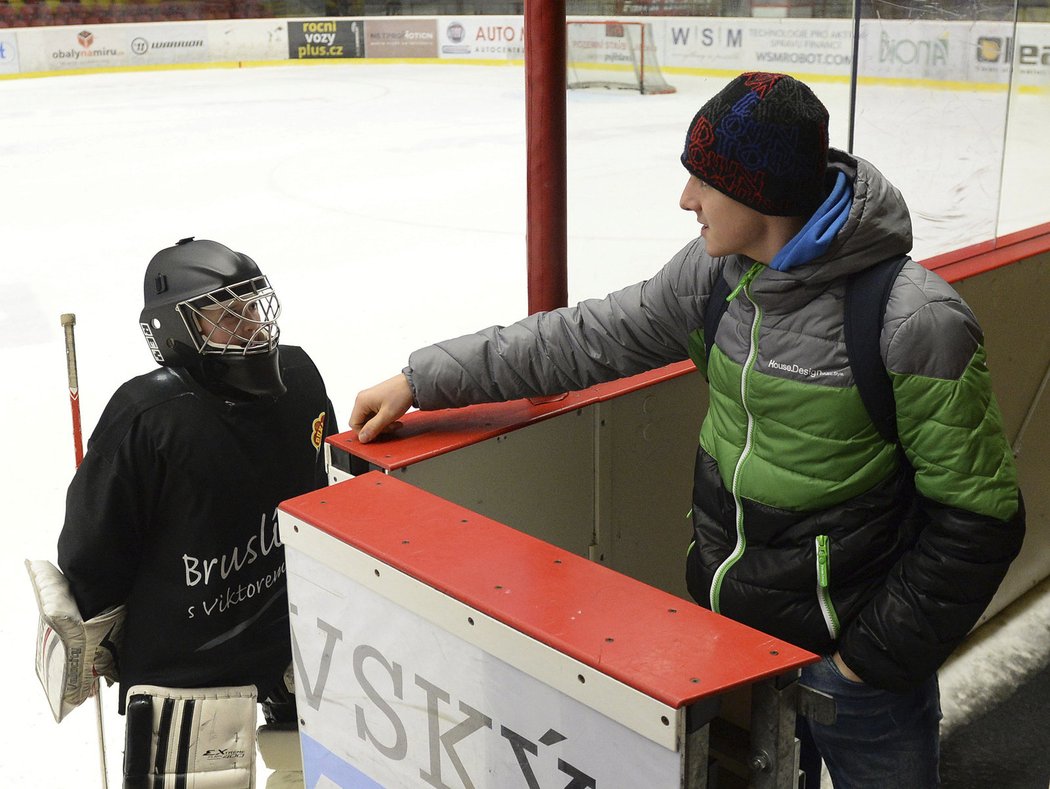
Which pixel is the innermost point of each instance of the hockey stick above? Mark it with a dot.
(69, 320)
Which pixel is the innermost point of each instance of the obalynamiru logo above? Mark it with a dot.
(86, 47)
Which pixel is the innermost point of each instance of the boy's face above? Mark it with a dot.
(235, 323)
(729, 227)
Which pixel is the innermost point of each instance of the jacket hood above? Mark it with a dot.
(879, 223)
(877, 226)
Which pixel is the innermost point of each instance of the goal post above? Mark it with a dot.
(610, 54)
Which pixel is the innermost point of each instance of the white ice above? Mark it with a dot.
(387, 205)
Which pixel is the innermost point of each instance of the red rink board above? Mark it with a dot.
(668, 648)
(989, 255)
(427, 434)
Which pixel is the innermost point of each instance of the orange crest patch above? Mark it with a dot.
(317, 436)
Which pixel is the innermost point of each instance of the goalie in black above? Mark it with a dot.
(172, 512)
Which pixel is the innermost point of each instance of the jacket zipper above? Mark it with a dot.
(831, 619)
(741, 539)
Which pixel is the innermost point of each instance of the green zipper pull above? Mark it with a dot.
(823, 565)
(746, 280)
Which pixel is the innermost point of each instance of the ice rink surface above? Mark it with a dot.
(387, 205)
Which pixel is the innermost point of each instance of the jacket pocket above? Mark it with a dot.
(827, 608)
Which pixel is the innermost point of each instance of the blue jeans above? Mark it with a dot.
(879, 739)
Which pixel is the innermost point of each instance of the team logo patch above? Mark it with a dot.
(317, 436)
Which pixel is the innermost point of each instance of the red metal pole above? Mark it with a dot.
(546, 192)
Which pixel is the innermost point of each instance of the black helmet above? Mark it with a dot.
(211, 310)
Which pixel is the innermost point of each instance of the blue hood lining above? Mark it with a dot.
(817, 234)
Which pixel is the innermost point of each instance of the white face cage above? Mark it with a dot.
(237, 319)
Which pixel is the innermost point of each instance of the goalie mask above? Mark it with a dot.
(211, 310)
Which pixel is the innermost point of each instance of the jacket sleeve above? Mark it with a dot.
(971, 511)
(100, 542)
(635, 329)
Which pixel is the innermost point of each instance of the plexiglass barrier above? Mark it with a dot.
(950, 100)
(954, 110)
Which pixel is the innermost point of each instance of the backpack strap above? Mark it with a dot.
(716, 308)
(867, 292)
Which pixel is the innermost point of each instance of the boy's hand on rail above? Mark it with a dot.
(377, 409)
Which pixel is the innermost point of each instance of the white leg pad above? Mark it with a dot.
(206, 735)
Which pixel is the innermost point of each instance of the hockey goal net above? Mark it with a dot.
(602, 54)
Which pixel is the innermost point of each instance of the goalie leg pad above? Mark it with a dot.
(201, 738)
(71, 653)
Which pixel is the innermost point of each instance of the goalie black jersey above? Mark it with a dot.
(173, 511)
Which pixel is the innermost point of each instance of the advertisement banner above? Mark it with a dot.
(1032, 64)
(940, 51)
(986, 52)
(8, 53)
(482, 38)
(994, 51)
(159, 44)
(387, 698)
(790, 45)
(326, 39)
(898, 50)
(401, 38)
(701, 42)
(89, 47)
(786, 45)
(256, 40)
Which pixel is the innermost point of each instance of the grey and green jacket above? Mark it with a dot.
(807, 524)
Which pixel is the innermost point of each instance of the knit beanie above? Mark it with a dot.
(763, 141)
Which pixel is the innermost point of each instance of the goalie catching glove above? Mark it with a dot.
(71, 653)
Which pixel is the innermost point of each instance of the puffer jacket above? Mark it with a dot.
(807, 524)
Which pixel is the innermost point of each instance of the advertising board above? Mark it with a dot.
(388, 698)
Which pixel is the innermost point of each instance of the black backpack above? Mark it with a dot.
(866, 294)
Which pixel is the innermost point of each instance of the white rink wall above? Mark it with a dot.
(902, 51)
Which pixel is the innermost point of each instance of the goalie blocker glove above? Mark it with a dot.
(70, 653)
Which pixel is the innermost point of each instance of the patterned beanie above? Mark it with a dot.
(763, 141)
